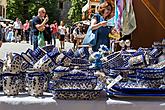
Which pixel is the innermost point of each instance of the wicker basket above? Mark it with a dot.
(113, 61)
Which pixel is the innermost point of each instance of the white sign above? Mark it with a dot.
(116, 80)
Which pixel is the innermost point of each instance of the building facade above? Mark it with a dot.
(3, 4)
(64, 6)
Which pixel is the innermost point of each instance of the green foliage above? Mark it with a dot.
(25, 9)
(75, 13)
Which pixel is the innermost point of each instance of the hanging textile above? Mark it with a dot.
(128, 22)
(119, 6)
(102, 1)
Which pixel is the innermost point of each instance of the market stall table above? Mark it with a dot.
(25, 102)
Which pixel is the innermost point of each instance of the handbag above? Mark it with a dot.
(41, 40)
(91, 37)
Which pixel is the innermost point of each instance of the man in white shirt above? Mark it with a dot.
(78, 35)
(17, 29)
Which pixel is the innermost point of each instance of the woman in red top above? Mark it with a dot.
(26, 30)
(54, 28)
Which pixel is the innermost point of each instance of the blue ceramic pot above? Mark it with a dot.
(36, 82)
(22, 78)
(11, 84)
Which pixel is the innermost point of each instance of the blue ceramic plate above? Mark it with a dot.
(126, 95)
(136, 90)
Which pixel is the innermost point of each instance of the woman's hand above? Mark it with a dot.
(114, 34)
(103, 23)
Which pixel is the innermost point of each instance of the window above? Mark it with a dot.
(1, 10)
(61, 4)
(4, 12)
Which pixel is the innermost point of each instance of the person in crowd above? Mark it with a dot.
(6, 30)
(99, 23)
(31, 31)
(54, 30)
(17, 29)
(3, 26)
(1, 35)
(26, 30)
(62, 31)
(67, 36)
(38, 24)
(47, 34)
(78, 35)
(71, 33)
(10, 35)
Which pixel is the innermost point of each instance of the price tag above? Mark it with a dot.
(116, 80)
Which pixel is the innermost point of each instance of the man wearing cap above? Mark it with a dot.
(38, 25)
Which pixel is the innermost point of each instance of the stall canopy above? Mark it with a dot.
(86, 7)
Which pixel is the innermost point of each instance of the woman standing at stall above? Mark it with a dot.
(99, 23)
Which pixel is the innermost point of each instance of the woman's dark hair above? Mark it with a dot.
(104, 6)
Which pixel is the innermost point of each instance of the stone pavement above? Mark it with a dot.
(23, 46)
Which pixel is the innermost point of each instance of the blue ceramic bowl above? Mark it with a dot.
(78, 94)
(79, 63)
(48, 48)
(60, 71)
(150, 83)
(74, 81)
(150, 73)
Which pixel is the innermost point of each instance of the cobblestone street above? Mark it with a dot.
(22, 47)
